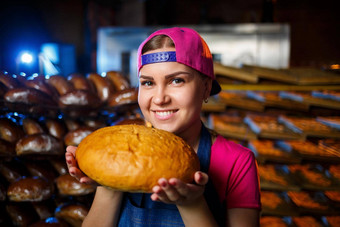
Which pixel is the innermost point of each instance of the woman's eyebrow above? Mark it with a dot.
(176, 74)
(146, 77)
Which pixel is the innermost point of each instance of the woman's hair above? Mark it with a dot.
(158, 42)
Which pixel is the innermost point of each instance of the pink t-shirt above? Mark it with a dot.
(233, 171)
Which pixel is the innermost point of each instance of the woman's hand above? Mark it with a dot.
(73, 168)
(177, 192)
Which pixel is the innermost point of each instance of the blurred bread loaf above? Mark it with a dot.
(30, 189)
(118, 80)
(124, 97)
(68, 185)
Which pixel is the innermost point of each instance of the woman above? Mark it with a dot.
(175, 77)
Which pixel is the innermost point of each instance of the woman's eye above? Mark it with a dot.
(146, 83)
(177, 81)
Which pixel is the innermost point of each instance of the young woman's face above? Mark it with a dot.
(171, 94)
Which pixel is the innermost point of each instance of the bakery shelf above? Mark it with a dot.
(235, 73)
(213, 105)
(266, 126)
(308, 220)
(266, 152)
(331, 221)
(309, 127)
(312, 203)
(253, 90)
(332, 121)
(231, 127)
(276, 87)
(334, 197)
(314, 177)
(277, 178)
(308, 151)
(327, 94)
(277, 203)
(272, 99)
(308, 99)
(299, 76)
(240, 100)
(270, 221)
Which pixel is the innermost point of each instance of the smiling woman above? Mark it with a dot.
(175, 76)
(171, 96)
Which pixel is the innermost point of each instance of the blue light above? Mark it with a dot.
(26, 58)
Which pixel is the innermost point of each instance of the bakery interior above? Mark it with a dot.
(278, 63)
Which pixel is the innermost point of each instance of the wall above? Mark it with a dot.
(314, 24)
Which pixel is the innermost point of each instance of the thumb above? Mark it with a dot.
(201, 178)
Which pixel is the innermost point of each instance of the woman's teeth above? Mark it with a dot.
(164, 113)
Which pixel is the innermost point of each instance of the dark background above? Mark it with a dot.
(315, 30)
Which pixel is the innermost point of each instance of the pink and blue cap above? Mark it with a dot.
(191, 50)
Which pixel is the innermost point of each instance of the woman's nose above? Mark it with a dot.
(161, 97)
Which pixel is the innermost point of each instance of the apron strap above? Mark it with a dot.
(210, 193)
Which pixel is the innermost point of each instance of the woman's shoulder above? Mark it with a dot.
(228, 147)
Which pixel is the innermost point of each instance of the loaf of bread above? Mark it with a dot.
(3, 90)
(124, 97)
(118, 80)
(61, 84)
(42, 86)
(80, 82)
(94, 123)
(6, 149)
(28, 96)
(2, 192)
(55, 128)
(134, 157)
(41, 169)
(30, 189)
(9, 81)
(44, 209)
(73, 214)
(79, 98)
(102, 85)
(68, 185)
(59, 165)
(39, 144)
(74, 137)
(9, 131)
(12, 170)
(31, 126)
(21, 214)
(72, 124)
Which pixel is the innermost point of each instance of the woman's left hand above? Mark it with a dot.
(177, 192)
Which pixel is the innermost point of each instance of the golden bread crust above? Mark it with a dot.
(134, 157)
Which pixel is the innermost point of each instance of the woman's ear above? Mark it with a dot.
(207, 87)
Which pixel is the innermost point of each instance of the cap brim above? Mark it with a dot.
(215, 88)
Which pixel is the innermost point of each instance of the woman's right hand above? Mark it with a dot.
(73, 168)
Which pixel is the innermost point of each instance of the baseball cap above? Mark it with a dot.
(191, 50)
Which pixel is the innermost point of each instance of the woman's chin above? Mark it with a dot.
(166, 127)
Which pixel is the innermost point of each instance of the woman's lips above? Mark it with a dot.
(164, 114)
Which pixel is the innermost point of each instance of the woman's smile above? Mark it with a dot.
(164, 114)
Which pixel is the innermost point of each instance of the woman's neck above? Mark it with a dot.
(192, 136)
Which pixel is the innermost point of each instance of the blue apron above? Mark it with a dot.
(139, 210)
